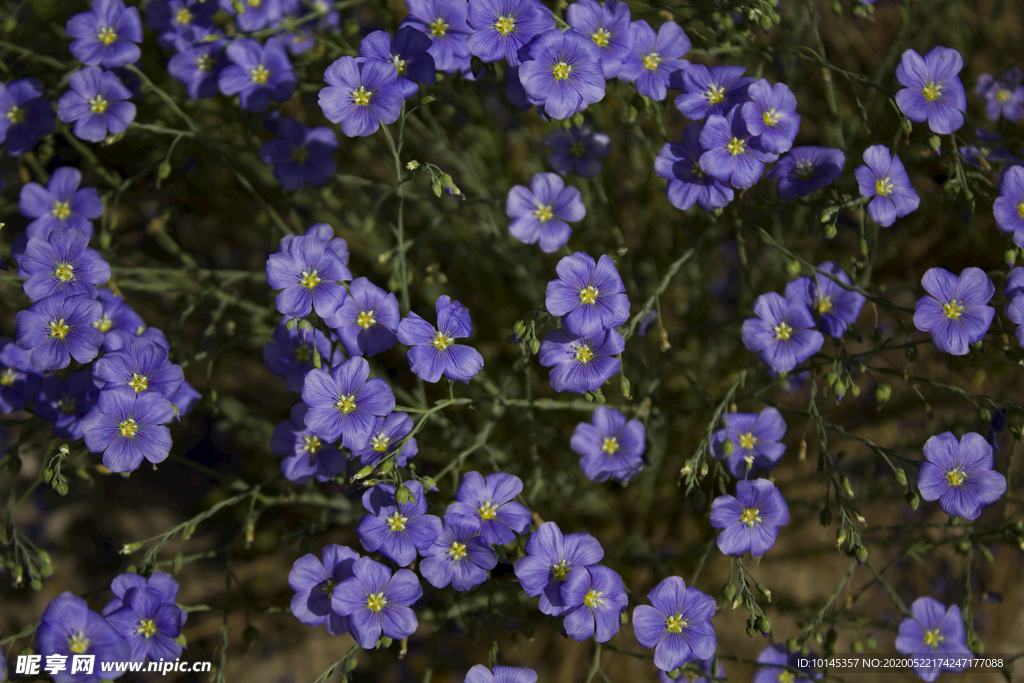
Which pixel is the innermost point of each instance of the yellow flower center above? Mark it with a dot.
(584, 354)
(106, 35)
(953, 309)
(561, 71)
(1003, 95)
(736, 146)
(97, 105)
(138, 382)
(204, 62)
(68, 405)
(594, 599)
(956, 476)
(147, 628)
(823, 304)
(346, 403)
(578, 149)
(65, 272)
(457, 551)
(303, 353)
(399, 64)
(59, 329)
(300, 154)
(748, 440)
(128, 427)
(697, 170)
(804, 170)
(183, 16)
(601, 37)
(933, 638)
(15, 114)
(104, 323)
(609, 445)
(78, 643)
(783, 331)
(652, 60)
(366, 319)
(588, 295)
(311, 444)
(61, 210)
(396, 522)
(787, 677)
(442, 341)
(932, 91)
(438, 27)
(259, 74)
(488, 510)
(328, 586)
(675, 623)
(771, 117)
(884, 186)
(380, 442)
(561, 570)
(376, 601)
(505, 25)
(715, 93)
(254, 3)
(8, 377)
(1020, 209)
(361, 96)
(750, 516)
(544, 213)
(310, 280)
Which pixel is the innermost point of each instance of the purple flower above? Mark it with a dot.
(255, 14)
(959, 474)
(360, 95)
(68, 627)
(343, 403)
(60, 205)
(932, 89)
(654, 58)
(307, 272)
(611, 447)
(314, 581)
(677, 625)
(185, 400)
(885, 179)
(1004, 96)
(458, 556)
(116, 314)
(501, 27)
(934, 632)
(61, 263)
(955, 313)
(384, 438)
(491, 503)
(433, 350)
(771, 116)
(543, 211)
(56, 329)
(149, 624)
(397, 530)
(141, 365)
(578, 150)
(733, 155)
(300, 155)
(161, 583)
(712, 91)
(127, 426)
(66, 402)
(600, 598)
(581, 364)
(376, 602)
(199, 67)
(258, 73)
(407, 53)
(304, 454)
(589, 297)
(774, 660)
(119, 339)
(1009, 206)
(833, 306)
(609, 28)
(19, 381)
(444, 22)
(687, 674)
(290, 354)
(502, 674)
(368, 320)
(564, 72)
(174, 20)
(551, 559)
(325, 232)
(688, 184)
(25, 116)
(106, 35)
(755, 439)
(750, 522)
(96, 103)
(782, 332)
(806, 169)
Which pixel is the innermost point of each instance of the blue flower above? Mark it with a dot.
(384, 438)
(677, 624)
(578, 150)
(581, 364)
(61, 263)
(833, 306)
(313, 582)
(174, 19)
(688, 184)
(563, 71)
(290, 353)
(933, 91)
(141, 365)
(255, 14)
(600, 600)
(300, 155)
(934, 634)
(551, 559)
(55, 329)
(360, 95)
(96, 104)
(1009, 205)
(344, 403)
(749, 522)
(368, 320)
(1003, 96)
(66, 402)
(501, 27)
(956, 311)
(609, 28)
(444, 22)
(884, 178)
(491, 502)
(149, 623)
(106, 35)
(806, 169)
(19, 381)
(771, 116)
(782, 332)
(126, 427)
(959, 474)
(377, 603)
(258, 73)
(60, 205)
(654, 58)
(501, 674)
(68, 627)
(542, 212)
(433, 350)
(307, 272)
(199, 66)
(756, 440)
(25, 116)
(733, 154)
(408, 53)
(712, 91)
(589, 297)
(458, 556)
(304, 454)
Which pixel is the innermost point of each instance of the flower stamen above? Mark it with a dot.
(750, 516)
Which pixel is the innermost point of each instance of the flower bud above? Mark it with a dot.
(907, 126)
(883, 392)
(519, 328)
(1010, 256)
(764, 625)
(913, 500)
(830, 231)
(412, 165)
(901, 477)
(792, 645)
(751, 631)
(728, 447)
(534, 346)
(825, 517)
(841, 536)
(402, 495)
(862, 555)
(729, 591)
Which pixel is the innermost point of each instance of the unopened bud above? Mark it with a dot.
(751, 631)
(913, 500)
(825, 517)
(764, 625)
(901, 477)
(841, 536)
(729, 591)
(883, 392)
(862, 555)
(412, 165)
(728, 447)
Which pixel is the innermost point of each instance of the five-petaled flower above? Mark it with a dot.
(708, 91)
(959, 474)
(56, 329)
(68, 627)
(932, 89)
(258, 73)
(688, 184)
(562, 70)
(384, 439)
(756, 441)
(305, 455)
(609, 28)
(361, 94)
(835, 307)
(543, 212)
(127, 426)
(733, 154)
(397, 530)
(307, 271)
(25, 116)
(655, 58)
(1009, 205)
(581, 364)
(955, 313)
(611, 447)
(458, 556)
(501, 27)
(578, 150)
(376, 602)
(96, 103)
(771, 116)
(60, 204)
(301, 155)
(1003, 96)
(491, 502)
(550, 559)
(677, 624)
(444, 22)
(433, 351)
(343, 402)
(314, 580)
(806, 169)
(61, 263)
(600, 600)
(590, 297)
(750, 522)
(408, 53)
(782, 331)
(106, 35)
(367, 322)
(934, 636)
(884, 178)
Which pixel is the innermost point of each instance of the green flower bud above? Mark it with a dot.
(751, 631)
(535, 346)
(764, 625)
(862, 555)
(402, 495)
(729, 591)
(857, 646)
(913, 500)
(728, 447)
(825, 517)
(830, 231)
(792, 645)
(883, 392)
(901, 477)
